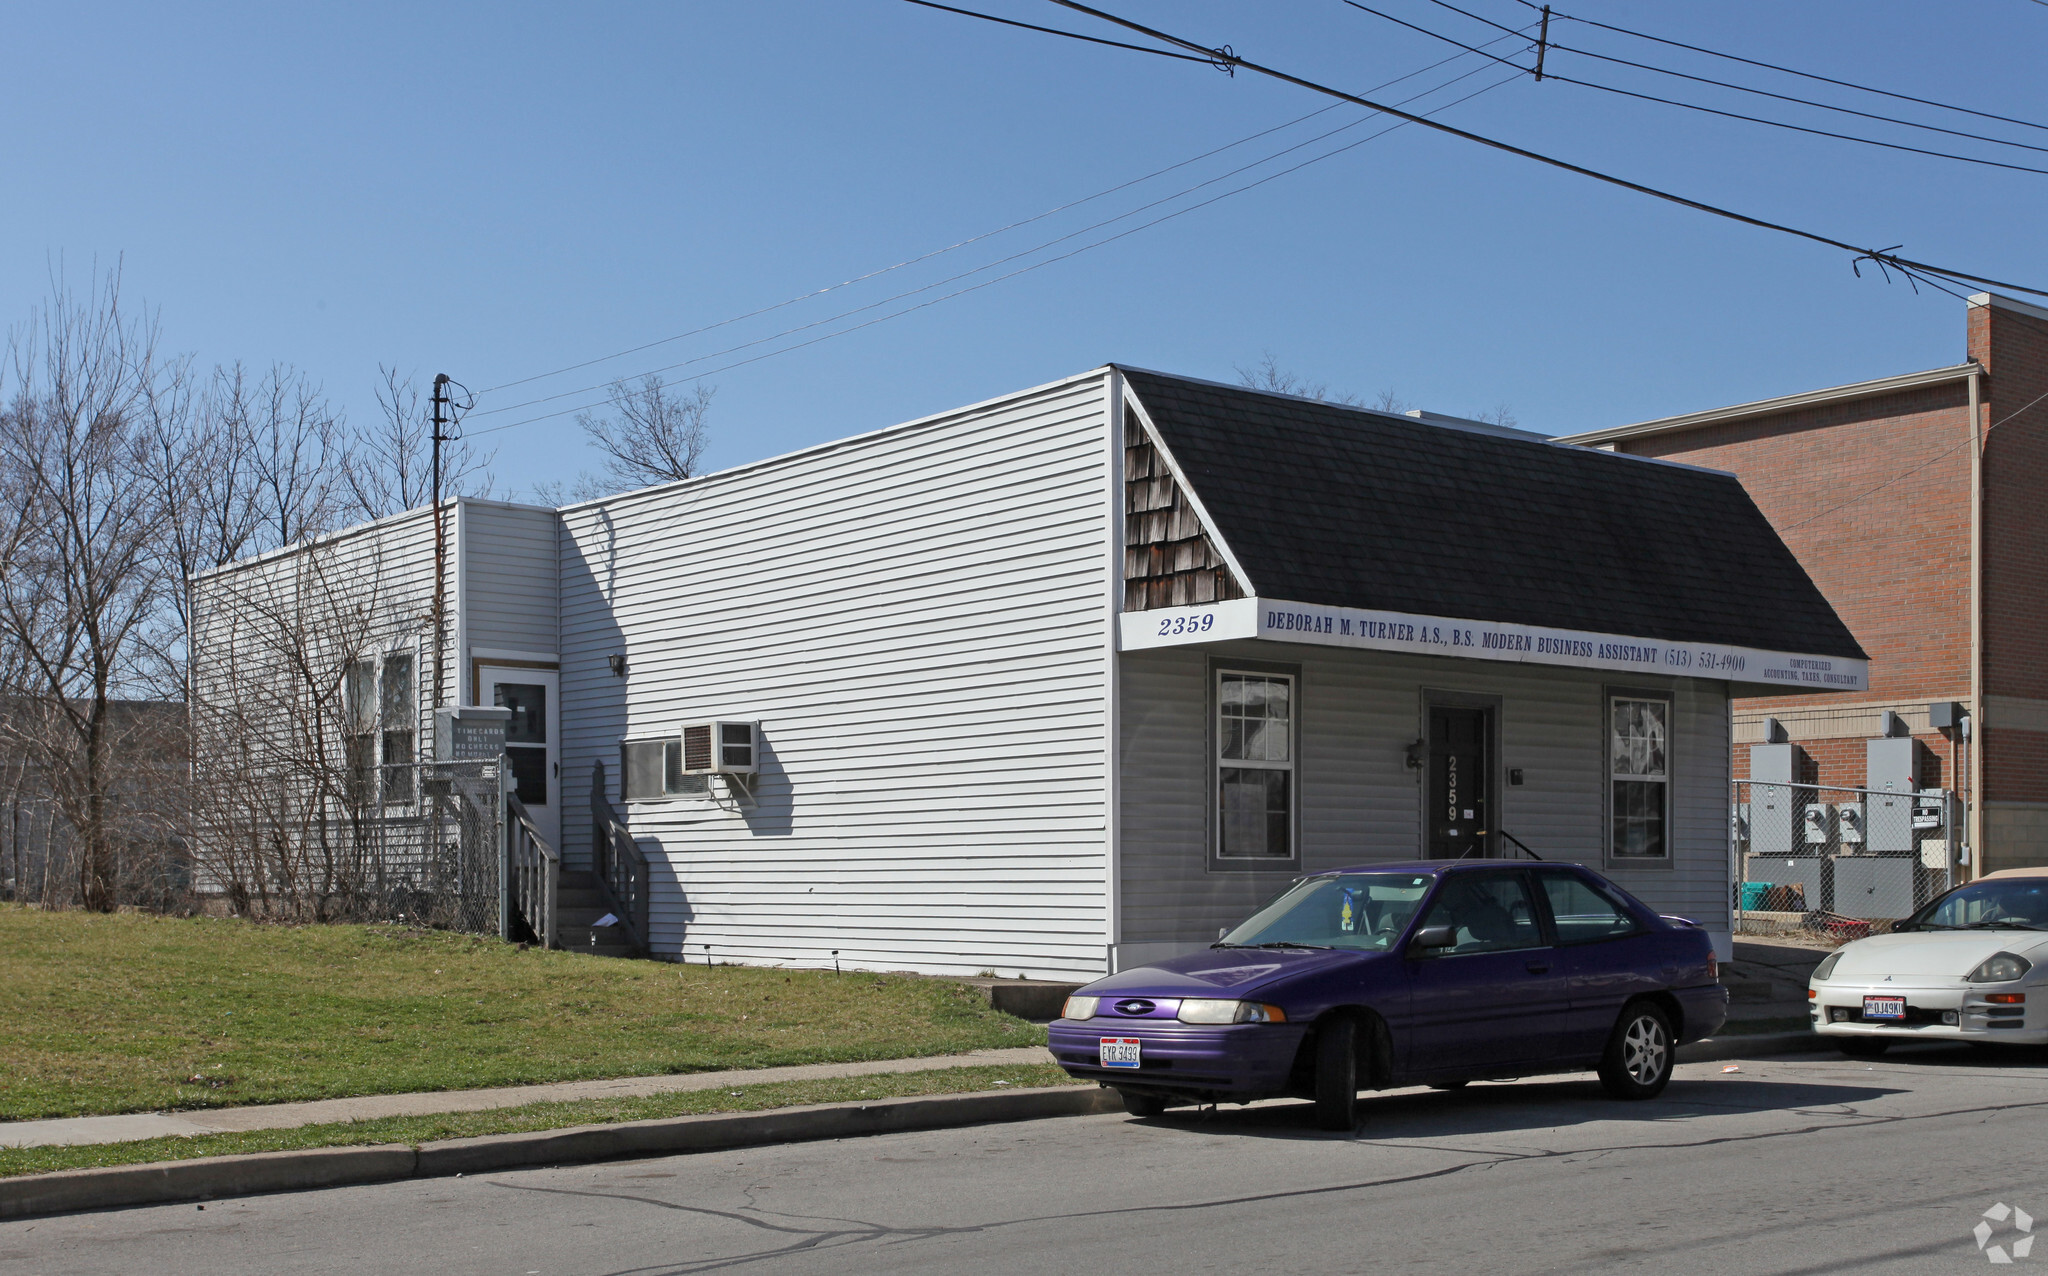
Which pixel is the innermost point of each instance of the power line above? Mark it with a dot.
(1884, 258)
(1694, 106)
(1022, 270)
(1745, 88)
(1030, 26)
(1786, 70)
(1000, 261)
(972, 239)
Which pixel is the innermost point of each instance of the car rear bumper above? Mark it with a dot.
(1235, 1060)
(1955, 1012)
(1705, 1009)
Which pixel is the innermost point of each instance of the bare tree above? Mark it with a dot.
(387, 467)
(1500, 414)
(1267, 374)
(1392, 403)
(81, 582)
(584, 487)
(655, 433)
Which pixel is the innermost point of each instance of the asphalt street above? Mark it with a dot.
(1796, 1165)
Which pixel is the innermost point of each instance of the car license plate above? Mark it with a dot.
(1118, 1052)
(1884, 1007)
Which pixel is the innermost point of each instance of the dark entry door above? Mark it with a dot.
(1459, 771)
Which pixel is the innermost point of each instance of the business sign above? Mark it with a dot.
(1276, 621)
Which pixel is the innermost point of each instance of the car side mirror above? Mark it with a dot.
(1436, 937)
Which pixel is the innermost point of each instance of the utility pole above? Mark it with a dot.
(440, 401)
(1542, 43)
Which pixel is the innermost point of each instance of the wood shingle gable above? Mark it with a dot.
(1169, 560)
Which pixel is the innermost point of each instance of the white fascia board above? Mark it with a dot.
(2007, 303)
(1768, 407)
(1273, 620)
(1133, 403)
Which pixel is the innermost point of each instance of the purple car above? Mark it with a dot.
(1404, 974)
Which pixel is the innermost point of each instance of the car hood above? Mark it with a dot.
(1223, 972)
(1941, 954)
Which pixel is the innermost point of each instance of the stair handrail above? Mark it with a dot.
(621, 865)
(535, 869)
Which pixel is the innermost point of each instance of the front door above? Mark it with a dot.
(531, 740)
(1457, 818)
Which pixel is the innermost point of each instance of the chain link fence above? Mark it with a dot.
(1838, 863)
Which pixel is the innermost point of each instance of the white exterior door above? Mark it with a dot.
(532, 739)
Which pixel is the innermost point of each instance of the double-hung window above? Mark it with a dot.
(379, 728)
(1639, 777)
(1255, 765)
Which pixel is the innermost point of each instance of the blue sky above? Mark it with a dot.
(498, 191)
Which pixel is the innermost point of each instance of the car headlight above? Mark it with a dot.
(2000, 968)
(1827, 966)
(1205, 1010)
(1080, 1008)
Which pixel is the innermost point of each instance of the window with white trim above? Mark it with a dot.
(380, 728)
(1255, 782)
(1639, 777)
(651, 770)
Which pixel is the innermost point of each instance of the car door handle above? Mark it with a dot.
(1539, 967)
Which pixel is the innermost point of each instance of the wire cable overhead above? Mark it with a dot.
(1885, 258)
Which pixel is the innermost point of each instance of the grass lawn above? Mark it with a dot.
(131, 1012)
(538, 1116)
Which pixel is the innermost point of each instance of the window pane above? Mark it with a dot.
(528, 702)
(398, 769)
(359, 758)
(640, 769)
(1255, 718)
(1257, 819)
(1638, 737)
(359, 696)
(530, 773)
(396, 702)
(1486, 913)
(1639, 819)
(1582, 913)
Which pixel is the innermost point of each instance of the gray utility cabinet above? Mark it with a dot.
(1892, 774)
(1808, 872)
(1775, 817)
(1873, 886)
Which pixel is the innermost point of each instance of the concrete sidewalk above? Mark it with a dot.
(74, 1131)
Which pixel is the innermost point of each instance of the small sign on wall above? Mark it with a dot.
(470, 733)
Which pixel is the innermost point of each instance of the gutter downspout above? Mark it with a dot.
(1973, 764)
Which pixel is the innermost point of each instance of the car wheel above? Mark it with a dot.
(1142, 1105)
(1337, 1075)
(1640, 1056)
(1448, 1085)
(1862, 1047)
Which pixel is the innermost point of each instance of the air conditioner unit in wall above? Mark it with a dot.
(721, 748)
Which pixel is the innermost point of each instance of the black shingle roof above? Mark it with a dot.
(1348, 508)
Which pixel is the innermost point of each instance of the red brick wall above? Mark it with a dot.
(2014, 348)
(1873, 497)
(1842, 762)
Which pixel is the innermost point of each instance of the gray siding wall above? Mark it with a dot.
(919, 620)
(510, 567)
(1360, 802)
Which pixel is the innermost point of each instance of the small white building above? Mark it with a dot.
(1064, 681)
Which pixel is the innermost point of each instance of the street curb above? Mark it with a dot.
(250, 1174)
(1753, 1046)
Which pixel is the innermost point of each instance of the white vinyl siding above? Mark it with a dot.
(1361, 802)
(509, 582)
(918, 620)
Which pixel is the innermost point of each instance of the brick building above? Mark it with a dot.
(1929, 534)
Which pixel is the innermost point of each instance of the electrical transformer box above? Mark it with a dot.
(1774, 804)
(1892, 774)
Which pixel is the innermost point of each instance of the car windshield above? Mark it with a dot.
(1346, 910)
(2016, 903)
